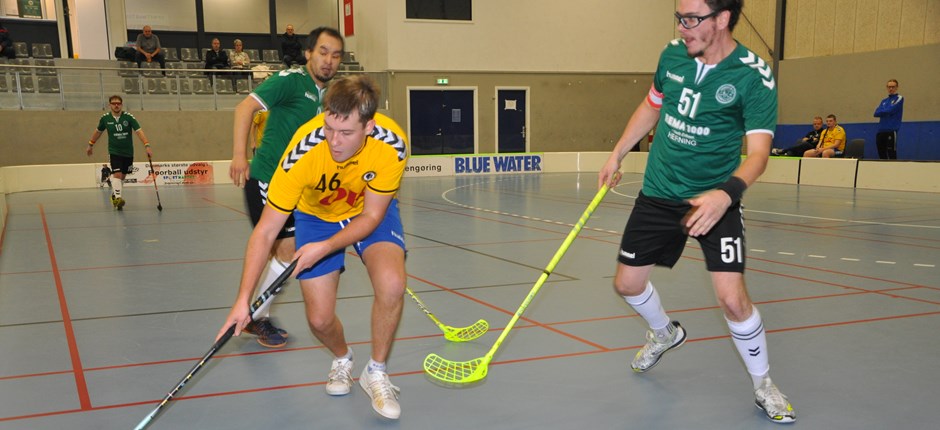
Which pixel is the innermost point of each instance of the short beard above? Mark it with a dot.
(322, 78)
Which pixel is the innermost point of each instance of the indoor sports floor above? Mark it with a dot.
(103, 312)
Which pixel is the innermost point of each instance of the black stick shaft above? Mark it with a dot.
(268, 294)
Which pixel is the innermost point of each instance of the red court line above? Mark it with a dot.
(80, 384)
(493, 363)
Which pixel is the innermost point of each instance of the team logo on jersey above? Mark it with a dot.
(124, 123)
(725, 94)
(369, 176)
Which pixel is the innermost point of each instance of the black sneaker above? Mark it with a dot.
(268, 335)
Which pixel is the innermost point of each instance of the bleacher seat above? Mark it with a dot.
(174, 69)
(194, 73)
(157, 86)
(42, 50)
(202, 86)
(22, 66)
(4, 85)
(270, 56)
(170, 54)
(185, 87)
(241, 86)
(45, 63)
(26, 84)
(151, 69)
(223, 85)
(131, 86)
(253, 55)
(22, 51)
(128, 69)
(48, 84)
(229, 52)
(190, 55)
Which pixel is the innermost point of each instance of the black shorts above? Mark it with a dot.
(256, 197)
(655, 235)
(121, 164)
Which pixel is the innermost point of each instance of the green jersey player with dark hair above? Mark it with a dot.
(120, 125)
(709, 92)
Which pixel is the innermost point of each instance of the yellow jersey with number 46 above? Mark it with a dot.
(308, 180)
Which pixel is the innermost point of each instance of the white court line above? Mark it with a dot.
(614, 191)
(806, 216)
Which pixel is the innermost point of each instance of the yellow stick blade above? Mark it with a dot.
(455, 372)
(465, 334)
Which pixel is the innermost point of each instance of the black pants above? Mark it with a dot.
(887, 142)
(295, 59)
(798, 149)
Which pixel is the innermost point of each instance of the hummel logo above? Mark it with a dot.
(754, 352)
(677, 78)
(630, 255)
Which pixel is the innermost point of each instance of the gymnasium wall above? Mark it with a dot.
(851, 86)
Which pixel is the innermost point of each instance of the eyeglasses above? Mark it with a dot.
(689, 22)
(892, 86)
(117, 103)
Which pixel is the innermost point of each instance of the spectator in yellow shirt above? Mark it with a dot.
(831, 141)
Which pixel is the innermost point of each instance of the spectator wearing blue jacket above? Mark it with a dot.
(889, 112)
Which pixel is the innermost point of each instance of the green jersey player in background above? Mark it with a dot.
(119, 125)
(708, 93)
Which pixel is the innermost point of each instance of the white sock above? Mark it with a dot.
(348, 356)
(275, 268)
(118, 184)
(375, 366)
(649, 306)
(750, 339)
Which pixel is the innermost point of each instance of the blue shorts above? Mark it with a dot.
(311, 229)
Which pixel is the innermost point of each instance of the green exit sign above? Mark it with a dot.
(443, 81)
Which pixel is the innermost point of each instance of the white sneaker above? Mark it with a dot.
(340, 380)
(384, 395)
(774, 403)
(647, 357)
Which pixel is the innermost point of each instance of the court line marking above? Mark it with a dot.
(614, 191)
(77, 370)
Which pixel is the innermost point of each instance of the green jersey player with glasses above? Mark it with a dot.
(709, 92)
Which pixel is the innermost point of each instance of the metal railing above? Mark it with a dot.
(31, 84)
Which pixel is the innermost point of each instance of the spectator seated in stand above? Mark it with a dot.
(148, 48)
(292, 48)
(831, 141)
(240, 61)
(216, 58)
(805, 144)
(6, 44)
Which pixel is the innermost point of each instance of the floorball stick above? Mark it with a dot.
(268, 294)
(453, 334)
(464, 372)
(154, 173)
